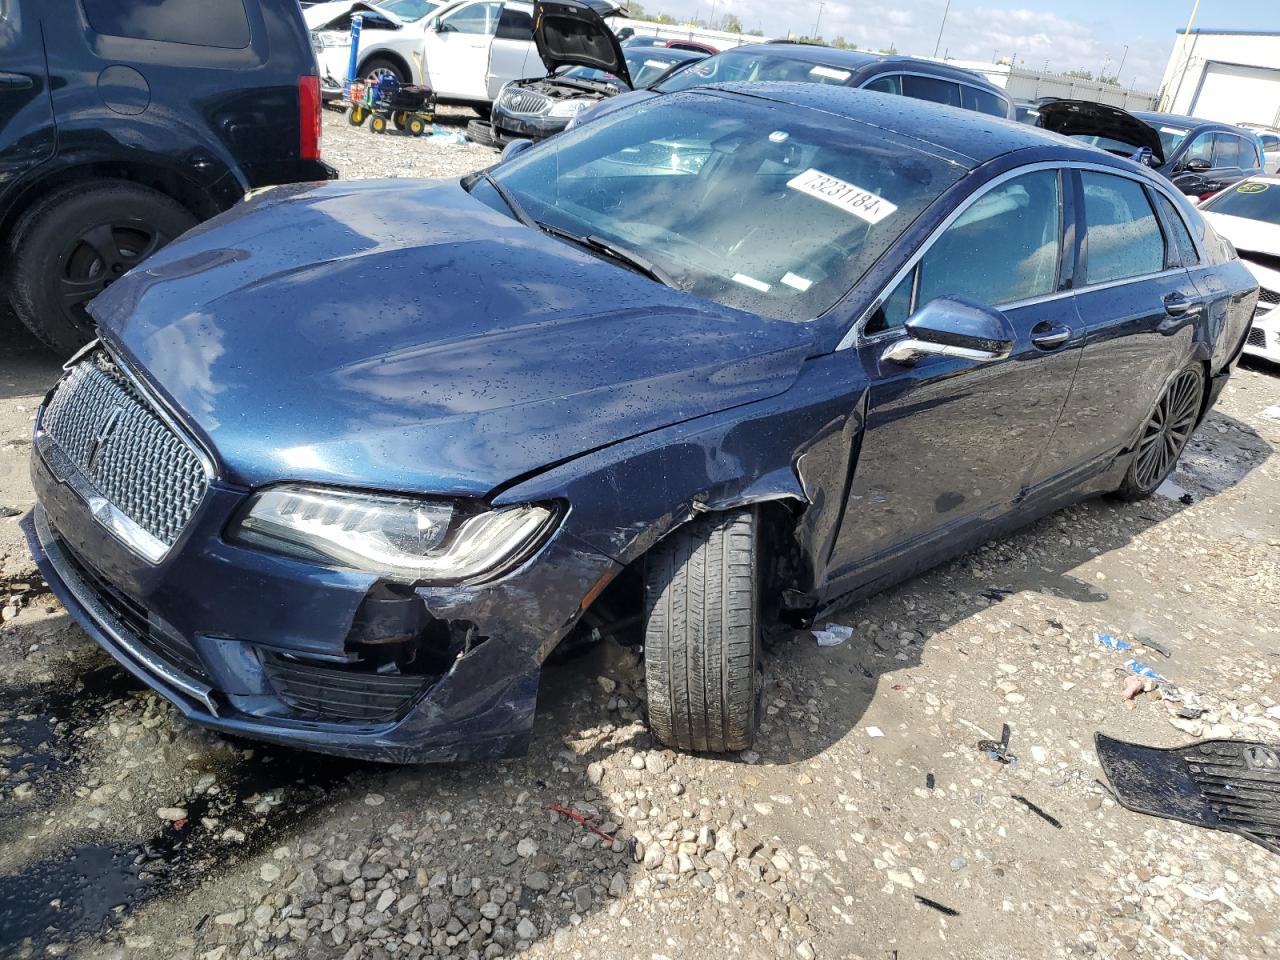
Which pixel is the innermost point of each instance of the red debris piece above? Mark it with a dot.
(580, 818)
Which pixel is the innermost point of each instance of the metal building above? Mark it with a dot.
(1227, 75)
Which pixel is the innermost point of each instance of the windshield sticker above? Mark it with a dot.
(1253, 187)
(779, 136)
(1173, 130)
(829, 74)
(752, 282)
(800, 283)
(657, 64)
(861, 203)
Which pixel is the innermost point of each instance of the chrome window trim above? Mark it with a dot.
(933, 76)
(854, 337)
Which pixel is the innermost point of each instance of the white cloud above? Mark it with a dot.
(972, 32)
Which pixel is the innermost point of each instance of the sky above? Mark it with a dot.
(1069, 34)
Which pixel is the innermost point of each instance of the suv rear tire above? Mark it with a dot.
(702, 634)
(75, 243)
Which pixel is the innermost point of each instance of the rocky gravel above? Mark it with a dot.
(866, 823)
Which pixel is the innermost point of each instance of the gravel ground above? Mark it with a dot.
(126, 832)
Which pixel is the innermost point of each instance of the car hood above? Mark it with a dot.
(407, 336)
(1257, 242)
(572, 33)
(1074, 118)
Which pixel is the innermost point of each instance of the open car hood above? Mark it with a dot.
(1074, 118)
(572, 33)
(337, 14)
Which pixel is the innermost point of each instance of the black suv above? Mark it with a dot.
(123, 123)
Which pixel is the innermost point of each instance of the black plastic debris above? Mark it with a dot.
(1155, 645)
(1039, 811)
(1231, 785)
(998, 751)
(940, 907)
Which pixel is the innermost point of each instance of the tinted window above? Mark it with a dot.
(757, 206)
(478, 18)
(890, 84)
(1001, 249)
(206, 23)
(896, 307)
(984, 101)
(1123, 234)
(1201, 149)
(1271, 144)
(1181, 236)
(1231, 151)
(931, 88)
(515, 25)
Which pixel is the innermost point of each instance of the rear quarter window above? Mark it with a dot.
(202, 23)
(984, 101)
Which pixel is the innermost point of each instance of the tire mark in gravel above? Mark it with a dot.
(90, 888)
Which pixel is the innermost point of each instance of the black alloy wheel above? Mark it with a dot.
(1165, 434)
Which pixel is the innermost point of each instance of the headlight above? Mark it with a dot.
(568, 108)
(320, 39)
(399, 538)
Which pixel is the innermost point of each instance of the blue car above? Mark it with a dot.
(351, 460)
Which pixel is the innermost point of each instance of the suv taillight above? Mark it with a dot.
(309, 118)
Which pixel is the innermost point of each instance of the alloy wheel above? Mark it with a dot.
(99, 257)
(1167, 432)
(378, 73)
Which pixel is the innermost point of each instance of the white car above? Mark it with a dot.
(465, 50)
(391, 40)
(1248, 214)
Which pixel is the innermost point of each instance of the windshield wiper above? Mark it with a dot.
(512, 203)
(610, 249)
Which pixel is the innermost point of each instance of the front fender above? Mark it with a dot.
(796, 447)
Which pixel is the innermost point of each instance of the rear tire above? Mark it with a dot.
(702, 634)
(1165, 435)
(75, 243)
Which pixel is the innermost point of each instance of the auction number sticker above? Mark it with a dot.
(1253, 187)
(861, 203)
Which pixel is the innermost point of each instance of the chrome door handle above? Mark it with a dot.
(1176, 305)
(15, 81)
(1051, 339)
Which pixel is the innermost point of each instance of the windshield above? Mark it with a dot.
(733, 65)
(1170, 138)
(409, 10)
(1253, 200)
(644, 65)
(763, 207)
(1106, 143)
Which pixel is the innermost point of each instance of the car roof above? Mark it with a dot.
(861, 59)
(965, 136)
(1150, 116)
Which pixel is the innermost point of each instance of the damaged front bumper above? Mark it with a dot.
(274, 649)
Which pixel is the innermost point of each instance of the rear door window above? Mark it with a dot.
(203, 23)
(984, 101)
(931, 88)
(1123, 235)
(515, 25)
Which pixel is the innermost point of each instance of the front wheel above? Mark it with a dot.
(702, 634)
(1165, 435)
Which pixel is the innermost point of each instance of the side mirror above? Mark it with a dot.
(514, 149)
(436, 24)
(953, 327)
(1197, 165)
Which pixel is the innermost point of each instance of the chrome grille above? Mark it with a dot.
(522, 101)
(1268, 296)
(111, 435)
(1256, 338)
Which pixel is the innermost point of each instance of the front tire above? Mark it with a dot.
(702, 634)
(1165, 435)
(75, 243)
(379, 67)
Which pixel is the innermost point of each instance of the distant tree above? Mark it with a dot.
(662, 18)
(1111, 80)
(1079, 74)
(731, 24)
(636, 11)
(890, 50)
(755, 33)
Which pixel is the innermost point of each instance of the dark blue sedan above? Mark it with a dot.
(350, 461)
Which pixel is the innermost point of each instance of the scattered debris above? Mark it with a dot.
(1157, 646)
(940, 907)
(834, 635)
(1039, 811)
(1189, 712)
(874, 732)
(1111, 642)
(1132, 687)
(581, 819)
(1143, 670)
(999, 750)
(1272, 413)
(996, 594)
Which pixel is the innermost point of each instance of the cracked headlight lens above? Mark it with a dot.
(400, 538)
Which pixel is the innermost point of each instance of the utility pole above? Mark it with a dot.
(1166, 102)
(942, 26)
(818, 23)
(711, 24)
(1124, 56)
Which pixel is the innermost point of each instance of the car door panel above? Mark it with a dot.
(950, 442)
(27, 133)
(1138, 329)
(458, 51)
